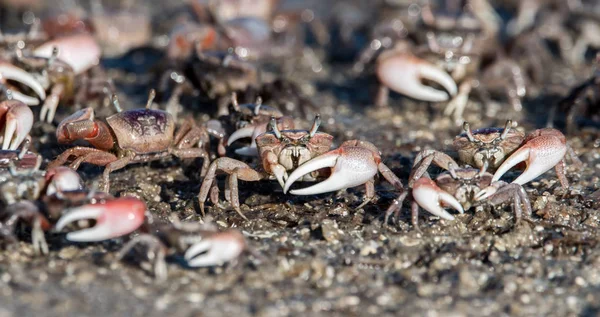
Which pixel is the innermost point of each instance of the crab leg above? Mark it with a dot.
(350, 166)
(113, 219)
(11, 72)
(432, 198)
(403, 73)
(216, 250)
(18, 121)
(543, 149)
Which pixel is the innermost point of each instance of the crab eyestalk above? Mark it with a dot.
(115, 103)
(273, 127)
(258, 104)
(151, 97)
(468, 132)
(507, 127)
(315, 125)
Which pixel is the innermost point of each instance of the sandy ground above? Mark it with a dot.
(319, 255)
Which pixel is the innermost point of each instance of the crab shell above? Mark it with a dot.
(143, 130)
(473, 153)
(295, 147)
(466, 187)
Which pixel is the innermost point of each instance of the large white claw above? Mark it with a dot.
(80, 51)
(432, 198)
(10, 72)
(540, 154)
(403, 73)
(216, 249)
(351, 166)
(18, 121)
(115, 218)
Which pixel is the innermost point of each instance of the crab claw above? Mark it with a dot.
(216, 249)
(403, 73)
(432, 198)
(351, 166)
(11, 72)
(17, 119)
(80, 51)
(115, 218)
(242, 133)
(543, 150)
(62, 179)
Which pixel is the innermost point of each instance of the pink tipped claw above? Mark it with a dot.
(350, 166)
(402, 72)
(543, 150)
(115, 218)
(16, 120)
(216, 249)
(433, 199)
(11, 72)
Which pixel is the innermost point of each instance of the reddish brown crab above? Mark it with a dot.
(132, 136)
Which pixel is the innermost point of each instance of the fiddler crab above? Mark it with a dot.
(251, 120)
(291, 155)
(201, 244)
(50, 67)
(55, 200)
(488, 150)
(132, 136)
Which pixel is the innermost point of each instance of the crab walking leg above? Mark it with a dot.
(98, 157)
(216, 250)
(155, 247)
(544, 150)
(424, 159)
(194, 153)
(350, 166)
(10, 72)
(18, 121)
(230, 166)
(113, 166)
(403, 73)
(51, 103)
(395, 207)
(77, 151)
(432, 198)
(115, 218)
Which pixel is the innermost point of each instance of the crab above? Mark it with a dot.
(581, 101)
(251, 120)
(202, 244)
(218, 75)
(353, 164)
(483, 148)
(132, 136)
(499, 150)
(280, 151)
(460, 188)
(16, 121)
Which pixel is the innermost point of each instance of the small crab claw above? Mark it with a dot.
(11, 72)
(62, 179)
(351, 166)
(216, 250)
(403, 73)
(115, 218)
(17, 119)
(540, 153)
(432, 198)
(488, 191)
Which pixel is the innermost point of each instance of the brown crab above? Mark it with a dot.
(460, 189)
(202, 244)
(280, 151)
(132, 136)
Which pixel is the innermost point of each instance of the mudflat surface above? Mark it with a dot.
(319, 255)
